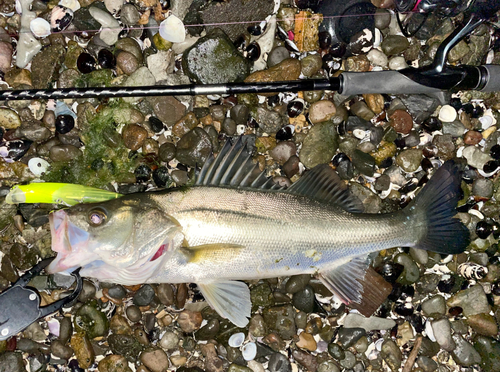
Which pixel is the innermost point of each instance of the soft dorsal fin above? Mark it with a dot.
(234, 167)
(323, 184)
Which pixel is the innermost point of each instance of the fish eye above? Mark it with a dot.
(97, 217)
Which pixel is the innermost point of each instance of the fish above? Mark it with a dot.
(235, 224)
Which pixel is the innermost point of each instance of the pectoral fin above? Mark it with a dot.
(357, 284)
(231, 299)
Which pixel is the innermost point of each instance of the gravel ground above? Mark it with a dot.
(443, 312)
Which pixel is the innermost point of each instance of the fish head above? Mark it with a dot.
(126, 235)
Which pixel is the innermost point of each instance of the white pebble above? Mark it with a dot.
(377, 58)
(237, 339)
(249, 351)
(397, 63)
(38, 166)
(447, 114)
(172, 29)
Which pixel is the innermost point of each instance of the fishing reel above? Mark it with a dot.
(419, 10)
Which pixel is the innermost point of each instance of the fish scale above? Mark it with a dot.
(280, 234)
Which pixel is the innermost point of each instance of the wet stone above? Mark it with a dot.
(305, 359)
(489, 350)
(368, 324)
(114, 363)
(12, 362)
(288, 69)
(483, 188)
(213, 59)
(291, 167)
(472, 300)
(83, 350)
(168, 109)
(126, 345)
(279, 363)
(127, 62)
(349, 336)
(257, 326)
(189, 321)
(133, 313)
(65, 329)
(283, 151)
(269, 121)
(391, 354)
(281, 319)
(311, 64)
(134, 136)
(472, 137)
(277, 55)
(194, 147)
(321, 111)
(363, 162)
(155, 360)
(442, 332)
(419, 106)
(401, 121)
(464, 354)
(167, 152)
(60, 350)
(434, 305)
(320, 145)
(297, 283)
(483, 324)
(304, 300)
(144, 295)
(409, 160)
(117, 291)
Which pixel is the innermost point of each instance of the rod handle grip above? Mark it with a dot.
(492, 78)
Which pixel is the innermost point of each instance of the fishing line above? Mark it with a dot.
(204, 24)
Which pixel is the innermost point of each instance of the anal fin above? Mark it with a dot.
(231, 299)
(357, 284)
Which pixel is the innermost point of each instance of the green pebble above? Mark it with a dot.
(261, 295)
(237, 368)
(90, 320)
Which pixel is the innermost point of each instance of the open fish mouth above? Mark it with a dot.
(70, 242)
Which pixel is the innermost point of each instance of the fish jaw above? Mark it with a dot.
(70, 243)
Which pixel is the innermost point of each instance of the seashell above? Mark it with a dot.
(74, 5)
(447, 113)
(60, 18)
(236, 340)
(40, 27)
(38, 166)
(172, 29)
(471, 270)
(54, 326)
(249, 351)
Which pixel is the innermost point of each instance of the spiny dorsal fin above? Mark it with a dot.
(323, 184)
(357, 284)
(234, 167)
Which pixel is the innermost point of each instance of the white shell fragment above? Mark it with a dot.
(60, 18)
(447, 114)
(40, 27)
(172, 29)
(74, 5)
(249, 351)
(38, 166)
(236, 340)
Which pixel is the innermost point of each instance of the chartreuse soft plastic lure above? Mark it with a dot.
(58, 193)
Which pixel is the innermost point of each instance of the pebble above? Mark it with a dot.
(434, 305)
(194, 147)
(483, 324)
(169, 341)
(117, 291)
(305, 359)
(489, 350)
(134, 136)
(155, 360)
(455, 128)
(60, 350)
(409, 160)
(391, 354)
(189, 321)
(9, 119)
(277, 55)
(482, 187)
(372, 323)
(110, 26)
(306, 341)
(129, 15)
(127, 62)
(377, 58)
(349, 336)
(442, 332)
(397, 63)
(257, 326)
(279, 363)
(363, 162)
(144, 295)
(348, 361)
(64, 153)
(297, 283)
(401, 121)
(83, 350)
(361, 110)
(394, 44)
(114, 363)
(475, 157)
(464, 353)
(472, 300)
(472, 137)
(281, 319)
(311, 64)
(143, 77)
(133, 313)
(320, 145)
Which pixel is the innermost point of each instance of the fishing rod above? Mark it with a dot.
(432, 80)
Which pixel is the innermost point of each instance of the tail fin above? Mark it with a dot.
(436, 203)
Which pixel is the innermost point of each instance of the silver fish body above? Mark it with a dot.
(235, 225)
(266, 234)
